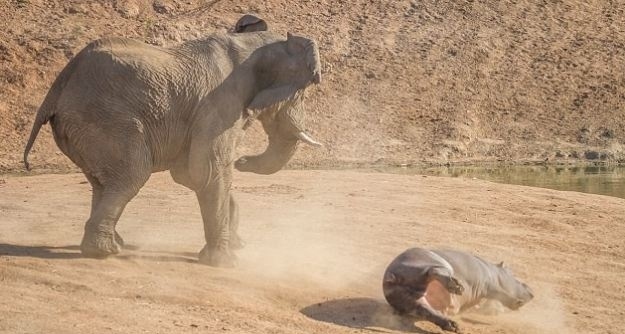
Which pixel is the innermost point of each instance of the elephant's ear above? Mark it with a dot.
(250, 23)
(270, 96)
(295, 45)
(305, 49)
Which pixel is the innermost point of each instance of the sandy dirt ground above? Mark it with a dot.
(317, 245)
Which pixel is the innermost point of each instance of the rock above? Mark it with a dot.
(127, 8)
(583, 135)
(591, 155)
(76, 9)
(163, 7)
(605, 133)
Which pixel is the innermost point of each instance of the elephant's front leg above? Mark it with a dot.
(235, 240)
(215, 206)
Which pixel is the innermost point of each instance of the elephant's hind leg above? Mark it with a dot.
(99, 238)
(96, 195)
(113, 154)
(108, 203)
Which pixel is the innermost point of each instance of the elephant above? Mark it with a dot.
(122, 110)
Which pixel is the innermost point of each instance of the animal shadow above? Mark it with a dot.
(43, 252)
(132, 253)
(361, 313)
(160, 257)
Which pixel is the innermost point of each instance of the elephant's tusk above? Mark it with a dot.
(303, 136)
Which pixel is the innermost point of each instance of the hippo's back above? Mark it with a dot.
(467, 267)
(415, 262)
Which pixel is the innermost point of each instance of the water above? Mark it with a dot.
(602, 180)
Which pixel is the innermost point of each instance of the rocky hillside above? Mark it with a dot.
(403, 81)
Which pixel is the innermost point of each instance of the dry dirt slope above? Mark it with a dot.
(318, 243)
(403, 81)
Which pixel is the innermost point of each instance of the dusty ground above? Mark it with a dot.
(317, 244)
(403, 81)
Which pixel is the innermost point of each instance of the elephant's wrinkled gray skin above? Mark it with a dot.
(122, 109)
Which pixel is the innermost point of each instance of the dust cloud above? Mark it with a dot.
(297, 246)
(544, 314)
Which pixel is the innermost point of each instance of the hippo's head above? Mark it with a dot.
(513, 293)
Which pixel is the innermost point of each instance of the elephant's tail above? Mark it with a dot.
(48, 107)
(41, 119)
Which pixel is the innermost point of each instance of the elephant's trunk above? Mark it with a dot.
(284, 125)
(277, 154)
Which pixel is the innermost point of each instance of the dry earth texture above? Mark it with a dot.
(317, 245)
(403, 81)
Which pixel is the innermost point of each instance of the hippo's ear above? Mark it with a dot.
(250, 23)
(500, 264)
(391, 278)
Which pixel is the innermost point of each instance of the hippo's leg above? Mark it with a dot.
(444, 276)
(424, 311)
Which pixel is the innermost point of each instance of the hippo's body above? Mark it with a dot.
(432, 284)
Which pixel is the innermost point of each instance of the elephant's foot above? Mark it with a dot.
(119, 240)
(217, 257)
(99, 245)
(236, 242)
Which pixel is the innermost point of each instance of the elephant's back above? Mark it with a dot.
(125, 52)
(120, 75)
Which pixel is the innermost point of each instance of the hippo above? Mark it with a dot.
(434, 284)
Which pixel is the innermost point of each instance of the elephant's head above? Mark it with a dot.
(284, 73)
